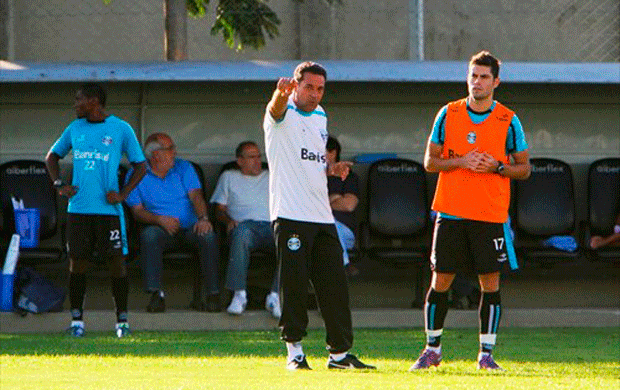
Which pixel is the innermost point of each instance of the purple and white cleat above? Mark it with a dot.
(486, 362)
(427, 358)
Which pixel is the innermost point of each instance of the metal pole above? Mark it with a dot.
(420, 30)
(7, 35)
(416, 30)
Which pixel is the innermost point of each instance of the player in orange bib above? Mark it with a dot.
(477, 146)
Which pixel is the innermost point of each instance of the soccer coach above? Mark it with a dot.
(307, 243)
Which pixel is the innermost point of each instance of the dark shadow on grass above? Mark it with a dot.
(545, 345)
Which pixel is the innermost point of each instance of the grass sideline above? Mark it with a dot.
(549, 358)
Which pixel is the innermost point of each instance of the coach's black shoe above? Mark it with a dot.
(348, 362)
(299, 362)
(157, 303)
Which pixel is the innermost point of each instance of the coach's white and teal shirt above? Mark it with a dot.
(295, 149)
(97, 151)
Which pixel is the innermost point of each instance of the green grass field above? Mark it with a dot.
(546, 358)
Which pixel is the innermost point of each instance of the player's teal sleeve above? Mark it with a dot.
(189, 175)
(438, 135)
(515, 140)
(132, 146)
(63, 145)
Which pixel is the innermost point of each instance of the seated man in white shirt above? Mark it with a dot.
(242, 204)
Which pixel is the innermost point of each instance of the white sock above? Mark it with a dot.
(77, 323)
(437, 350)
(337, 356)
(294, 350)
(241, 294)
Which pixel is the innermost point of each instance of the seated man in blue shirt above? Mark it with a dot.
(170, 201)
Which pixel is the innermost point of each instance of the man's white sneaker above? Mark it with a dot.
(237, 305)
(272, 304)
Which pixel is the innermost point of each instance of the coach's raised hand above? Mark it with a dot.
(279, 100)
(286, 86)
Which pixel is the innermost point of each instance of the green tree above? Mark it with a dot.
(242, 23)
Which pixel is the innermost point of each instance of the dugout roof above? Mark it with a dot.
(340, 71)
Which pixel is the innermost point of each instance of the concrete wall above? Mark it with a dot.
(574, 123)
(132, 30)
(524, 30)
(209, 119)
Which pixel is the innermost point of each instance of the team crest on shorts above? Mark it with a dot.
(106, 140)
(471, 137)
(293, 243)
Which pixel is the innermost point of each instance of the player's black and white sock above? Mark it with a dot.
(77, 290)
(435, 311)
(490, 312)
(120, 291)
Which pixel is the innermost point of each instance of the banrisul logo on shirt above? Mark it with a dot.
(309, 155)
(106, 140)
(90, 155)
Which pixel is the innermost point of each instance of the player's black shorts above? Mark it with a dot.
(89, 234)
(465, 245)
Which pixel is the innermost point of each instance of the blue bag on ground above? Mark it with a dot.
(35, 294)
(27, 225)
(563, 243)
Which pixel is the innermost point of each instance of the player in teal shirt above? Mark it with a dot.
(95, 221)
(97, 149)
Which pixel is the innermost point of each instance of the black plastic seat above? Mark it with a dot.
(603, 206)
(397, 231)
(28, 180)
(544, 207)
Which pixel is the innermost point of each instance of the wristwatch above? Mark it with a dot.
(58, 183)
(500, 167)
(203, 218)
